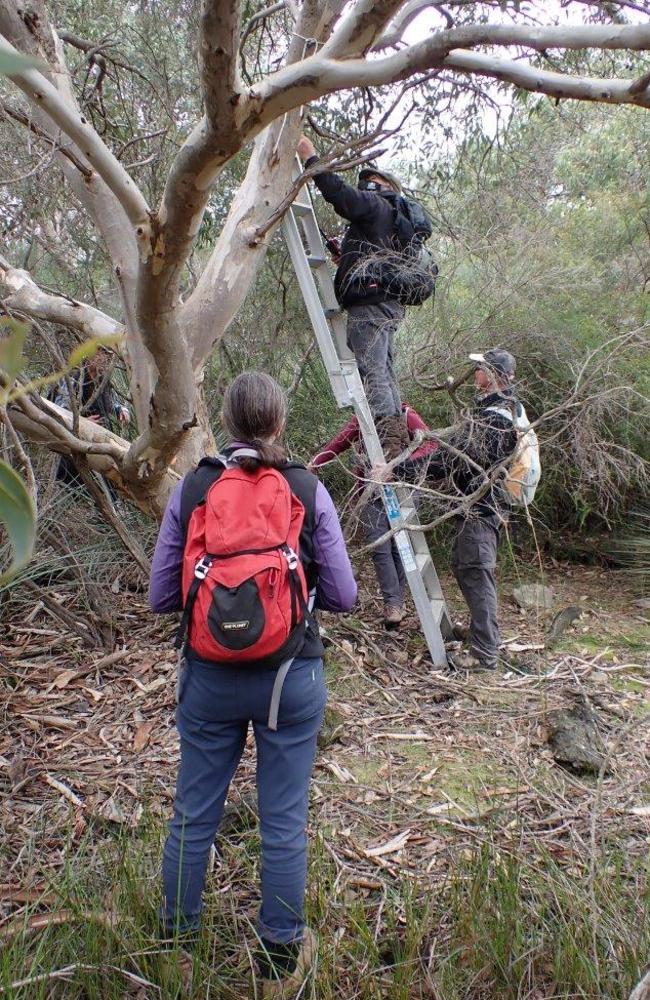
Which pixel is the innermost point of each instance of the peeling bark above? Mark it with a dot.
(168, 342)
(25, 296)
(55, 433)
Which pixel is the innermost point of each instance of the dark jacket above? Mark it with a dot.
(487, 438)
(372, 226)
(97, 397)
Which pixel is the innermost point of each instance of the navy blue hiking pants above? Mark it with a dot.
(216, 705)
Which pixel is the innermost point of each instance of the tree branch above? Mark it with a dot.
(25, 296)
(238, 253)
(44, 95)
(218, 60)
(261, 15)
(557, 85)
(46, 423)
(393, 33)
(319, 74)
(358, 31)
(53, 423)
(233, 263)
(68, 152)
(37, 38)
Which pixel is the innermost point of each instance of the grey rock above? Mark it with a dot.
(332, 728)
(574, 739)
(534, 596)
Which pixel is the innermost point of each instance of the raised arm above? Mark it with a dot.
(348, 201)
(338, 444)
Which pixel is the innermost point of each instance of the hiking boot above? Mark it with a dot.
(183, 960)
(186, 970)
(469, 661)
(271, 984)
(460, 632)
(393, 435)
(393, 616)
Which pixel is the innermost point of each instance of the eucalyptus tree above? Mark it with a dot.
(233, 83)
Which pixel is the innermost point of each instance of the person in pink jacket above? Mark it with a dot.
(388, 565)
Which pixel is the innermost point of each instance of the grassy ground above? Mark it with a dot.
(451, 858)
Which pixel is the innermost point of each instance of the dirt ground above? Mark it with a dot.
(412, 760)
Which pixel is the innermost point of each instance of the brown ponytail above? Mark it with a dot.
(254, 409)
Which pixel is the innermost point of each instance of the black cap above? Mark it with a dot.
(499, 360)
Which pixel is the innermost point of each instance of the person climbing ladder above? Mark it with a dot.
(378, 257)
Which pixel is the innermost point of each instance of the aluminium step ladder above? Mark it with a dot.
(308, 255)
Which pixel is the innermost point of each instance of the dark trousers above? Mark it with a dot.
(386, 559)
(473, 561)
(216, 705)
(371, 337)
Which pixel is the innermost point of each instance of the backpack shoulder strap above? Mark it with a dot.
(503, 411)
(196, 484)
(518, 418)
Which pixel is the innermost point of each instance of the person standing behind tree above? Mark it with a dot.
(97, 400)
(234, 507)
(385, 557)
(374, 312)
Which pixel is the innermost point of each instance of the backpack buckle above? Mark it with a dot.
(291, 557)
(202, 567)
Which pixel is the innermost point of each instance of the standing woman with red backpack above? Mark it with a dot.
(246, 538)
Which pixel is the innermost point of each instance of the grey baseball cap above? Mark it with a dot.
(499, 360)
(371, 171)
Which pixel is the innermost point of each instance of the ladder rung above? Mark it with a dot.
(422, 560)
(408, 513)
(438, 608)
(314, 261)
(300, 208)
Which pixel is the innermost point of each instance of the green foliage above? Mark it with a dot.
(503, 924)
(17, 511)
(18, 515)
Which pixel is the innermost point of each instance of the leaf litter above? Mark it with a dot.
(424, 766)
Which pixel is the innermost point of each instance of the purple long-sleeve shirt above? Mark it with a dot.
(336, 589)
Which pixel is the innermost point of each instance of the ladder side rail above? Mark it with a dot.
(315, 311)
(329, 328)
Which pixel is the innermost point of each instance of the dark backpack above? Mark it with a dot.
(407, 271)
(244, 587)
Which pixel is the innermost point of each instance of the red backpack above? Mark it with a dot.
(244, 588)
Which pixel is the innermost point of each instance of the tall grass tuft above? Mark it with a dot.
(497, 926)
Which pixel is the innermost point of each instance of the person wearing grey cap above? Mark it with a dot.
(374, 312)
(486, 438)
